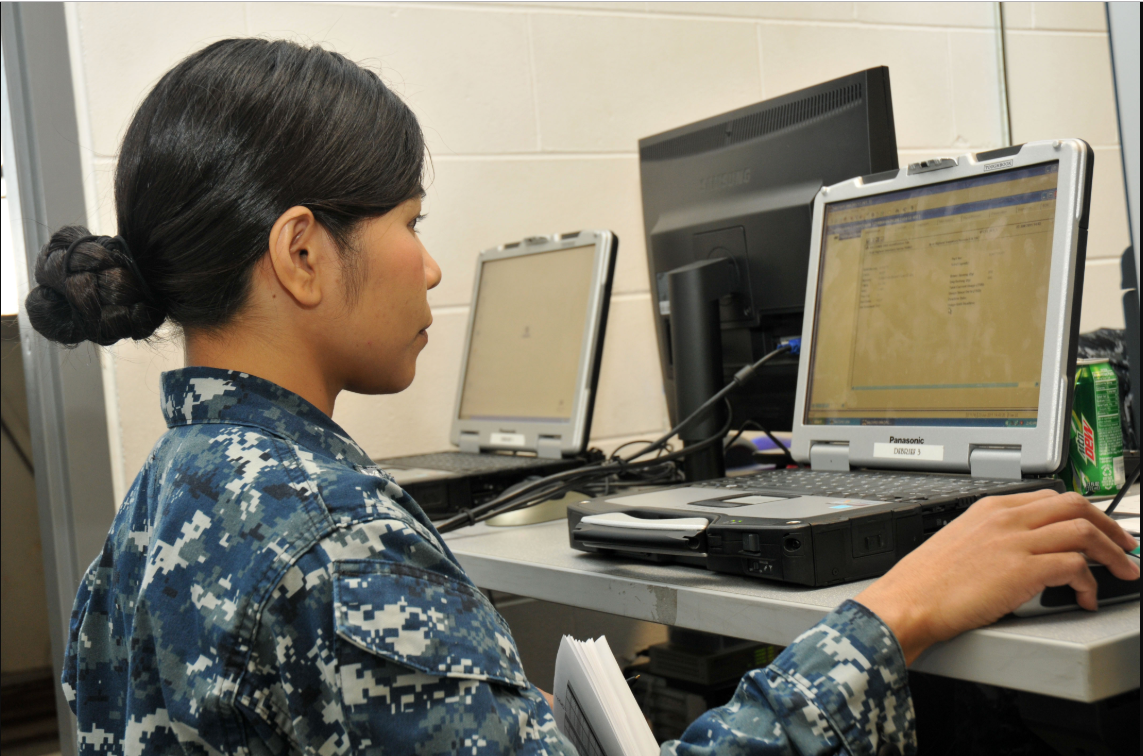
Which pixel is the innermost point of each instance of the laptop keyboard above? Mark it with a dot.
(462, 462)
(876, 486)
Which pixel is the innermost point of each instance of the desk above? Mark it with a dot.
(1074, 655)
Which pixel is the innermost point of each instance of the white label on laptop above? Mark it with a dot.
(506, 439)
(929, 452)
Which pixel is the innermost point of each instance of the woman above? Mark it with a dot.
(265, 588)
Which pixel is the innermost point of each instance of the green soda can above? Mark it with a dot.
(1095, 450)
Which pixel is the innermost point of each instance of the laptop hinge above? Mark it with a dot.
(470, 442)
(995, 463)
(829, 457)
(549, 447)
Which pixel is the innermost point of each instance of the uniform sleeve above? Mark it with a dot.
(381, 655)
(840, 688)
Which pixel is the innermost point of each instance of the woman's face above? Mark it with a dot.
(385, 326)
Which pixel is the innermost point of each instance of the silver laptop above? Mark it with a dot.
(528, 376)
(937, 362)
(940, 327)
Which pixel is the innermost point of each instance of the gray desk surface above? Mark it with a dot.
(1074, 655)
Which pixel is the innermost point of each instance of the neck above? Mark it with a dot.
(290, 365)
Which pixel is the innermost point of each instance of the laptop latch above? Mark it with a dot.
(829, 457)
(991, 462)
(549, 447)
(470, 442)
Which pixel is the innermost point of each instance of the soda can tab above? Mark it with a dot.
(1095, 448)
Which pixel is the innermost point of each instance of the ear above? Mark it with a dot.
(302, 256)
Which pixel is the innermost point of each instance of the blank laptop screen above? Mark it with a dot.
(528, 336)
(932, 303)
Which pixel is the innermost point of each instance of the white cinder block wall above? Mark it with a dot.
(533, 111)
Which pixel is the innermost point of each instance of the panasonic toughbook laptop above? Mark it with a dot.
(937, 363)
(529, 372)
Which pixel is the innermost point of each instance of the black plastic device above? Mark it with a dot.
(741, 186)
(850, 540)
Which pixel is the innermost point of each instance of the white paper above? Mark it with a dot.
(594, 706)
(1130, 524)
(636, 734)
(1129, 505)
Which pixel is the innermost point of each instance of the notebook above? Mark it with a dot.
(937, 365)
(528, 375)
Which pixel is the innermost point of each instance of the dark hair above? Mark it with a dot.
(227, 141)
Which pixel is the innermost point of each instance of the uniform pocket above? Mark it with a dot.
(423, 620)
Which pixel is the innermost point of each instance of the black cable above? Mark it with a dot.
(739, 379)
(738, 434)
(785, 449)
(1122, 492)
(606, 468)
(19, 449)
(504, 503)
(615, 454)
(777, 442)
(538, 493)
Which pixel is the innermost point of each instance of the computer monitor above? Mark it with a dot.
(741, 186)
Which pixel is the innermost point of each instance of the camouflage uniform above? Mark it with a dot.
(265, 588)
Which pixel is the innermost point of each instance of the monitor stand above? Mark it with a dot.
(693, 292)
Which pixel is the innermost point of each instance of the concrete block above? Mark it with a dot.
(103, 171)
(138, 366)
(1070, 16)
(630, 398)
(798, 56)
(465, 73)
(127, 47)
(791, 11)
(978, 15)
(477, 204)
(1108, 234)
(1059, 85)
(1018, 15)
(975, 89)
(585, 5)
(1102, 305)
(634, 77)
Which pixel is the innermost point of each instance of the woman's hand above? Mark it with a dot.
(1000, 553)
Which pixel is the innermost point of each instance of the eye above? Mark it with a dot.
(415, 221)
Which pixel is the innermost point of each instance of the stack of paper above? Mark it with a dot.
(594, 706)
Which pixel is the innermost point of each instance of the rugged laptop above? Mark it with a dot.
(937, 362)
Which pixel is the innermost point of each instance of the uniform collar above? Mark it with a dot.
(201, 395)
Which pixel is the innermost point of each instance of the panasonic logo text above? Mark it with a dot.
(895, 440)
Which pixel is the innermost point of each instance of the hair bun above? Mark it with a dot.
(90, 290)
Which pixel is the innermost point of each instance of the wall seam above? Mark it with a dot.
(952, 89)
(512, 156)
(1077, 33)
(605, 13)
(761, 63)
(532, 78)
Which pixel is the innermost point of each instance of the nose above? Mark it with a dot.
(432, 271)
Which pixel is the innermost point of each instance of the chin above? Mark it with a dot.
(380, 383)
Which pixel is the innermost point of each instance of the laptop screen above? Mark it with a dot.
(932, 303)
(527, 336)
